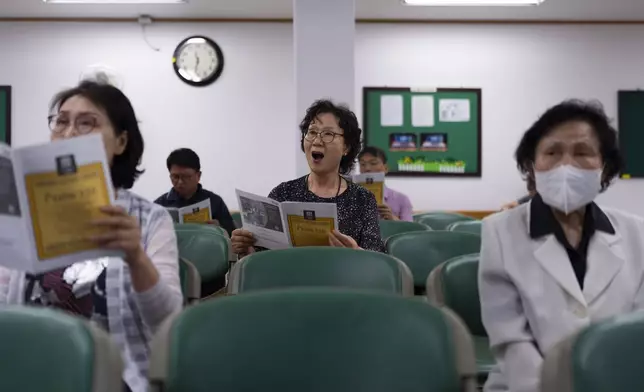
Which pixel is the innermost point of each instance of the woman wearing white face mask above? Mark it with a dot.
(559, 262)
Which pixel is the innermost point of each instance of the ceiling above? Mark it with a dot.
(613, 10)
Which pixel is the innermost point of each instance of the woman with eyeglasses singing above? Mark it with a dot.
(130, 296)
(331, 142)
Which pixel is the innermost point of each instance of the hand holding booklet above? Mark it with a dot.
(49, 194)
(278, 225)
(194, 213)
(374, 183)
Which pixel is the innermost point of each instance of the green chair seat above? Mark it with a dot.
(485, 361)
(440, 220)
(604, 357)
(320, 267)
(422, 251)
(190, 281)
(49, 350)
(390, 227)
(454, 284)
(473, 227)
(202, 226)
(313, 340)
(208, 252)
(237, 219)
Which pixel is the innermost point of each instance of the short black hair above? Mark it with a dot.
(347, 121)
(375, 151)
(184, 157)
(121, 114)
(590, 112)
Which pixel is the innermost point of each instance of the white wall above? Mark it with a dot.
(242, 126)
(522, 70)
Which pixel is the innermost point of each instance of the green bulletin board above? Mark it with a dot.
(630, 108)
(5, 114)
(435, 133)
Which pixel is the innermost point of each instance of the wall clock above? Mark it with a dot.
(198, 61)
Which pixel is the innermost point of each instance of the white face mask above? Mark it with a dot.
(568, 188)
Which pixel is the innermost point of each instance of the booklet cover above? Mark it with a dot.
(289, 224)
(49, 194)
(195, 213)
(374, 183)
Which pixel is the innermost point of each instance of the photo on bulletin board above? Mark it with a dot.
(425, 133)
(5, 114)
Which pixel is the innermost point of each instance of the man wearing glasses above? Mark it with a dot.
(185, 173)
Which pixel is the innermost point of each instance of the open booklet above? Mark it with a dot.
(48, 195)
(375, 183)
(195, 213)
(288, 224)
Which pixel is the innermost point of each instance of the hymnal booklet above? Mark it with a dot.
(375, 183)
(288, 224)
(195, 213)
(49, 194)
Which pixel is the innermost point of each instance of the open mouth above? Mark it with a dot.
(317, 156)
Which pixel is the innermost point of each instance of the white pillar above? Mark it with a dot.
(324, 57)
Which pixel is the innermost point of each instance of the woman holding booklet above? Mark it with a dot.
(331, 141)
(131, 295)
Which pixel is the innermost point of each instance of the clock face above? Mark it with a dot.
(198, 61)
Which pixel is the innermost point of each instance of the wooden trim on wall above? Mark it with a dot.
(358, 21)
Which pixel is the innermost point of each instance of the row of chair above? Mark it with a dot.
(302, 339)
(426, 221)
(208, 249)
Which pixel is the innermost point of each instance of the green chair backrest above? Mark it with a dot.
(321, 267)
(440, 220)
(606, 356)
(473, 226)
(207, 250)
(454, 284)
(423, 251)
(237, 219)
(314, 340)
(201, 227)
(48, 350)
(190, 281)
(390, 227)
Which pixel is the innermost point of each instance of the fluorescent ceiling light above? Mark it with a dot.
(116, 1)
(472, 3)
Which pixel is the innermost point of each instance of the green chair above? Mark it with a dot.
(210, 229)
(454, 284)
(604, 357)
(320, 267)
(390, 227)
(313, 340)
(202, 226)
(190, 281)
(48, 350)
(208, 252)
(237, 219)
(473, 226)
(440, 220)
(423, 251)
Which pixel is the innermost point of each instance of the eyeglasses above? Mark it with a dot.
(182, 177)
(325, 136)
(83, 124)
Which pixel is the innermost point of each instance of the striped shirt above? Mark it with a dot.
(132, 318)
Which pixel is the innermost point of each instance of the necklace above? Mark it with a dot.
(339, 184)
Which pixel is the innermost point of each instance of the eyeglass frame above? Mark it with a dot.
(319, 134)
(53, 130)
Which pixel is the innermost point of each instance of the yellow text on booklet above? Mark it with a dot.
(309, 232)
(201, 215)
(378, 190)
(62, 207)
